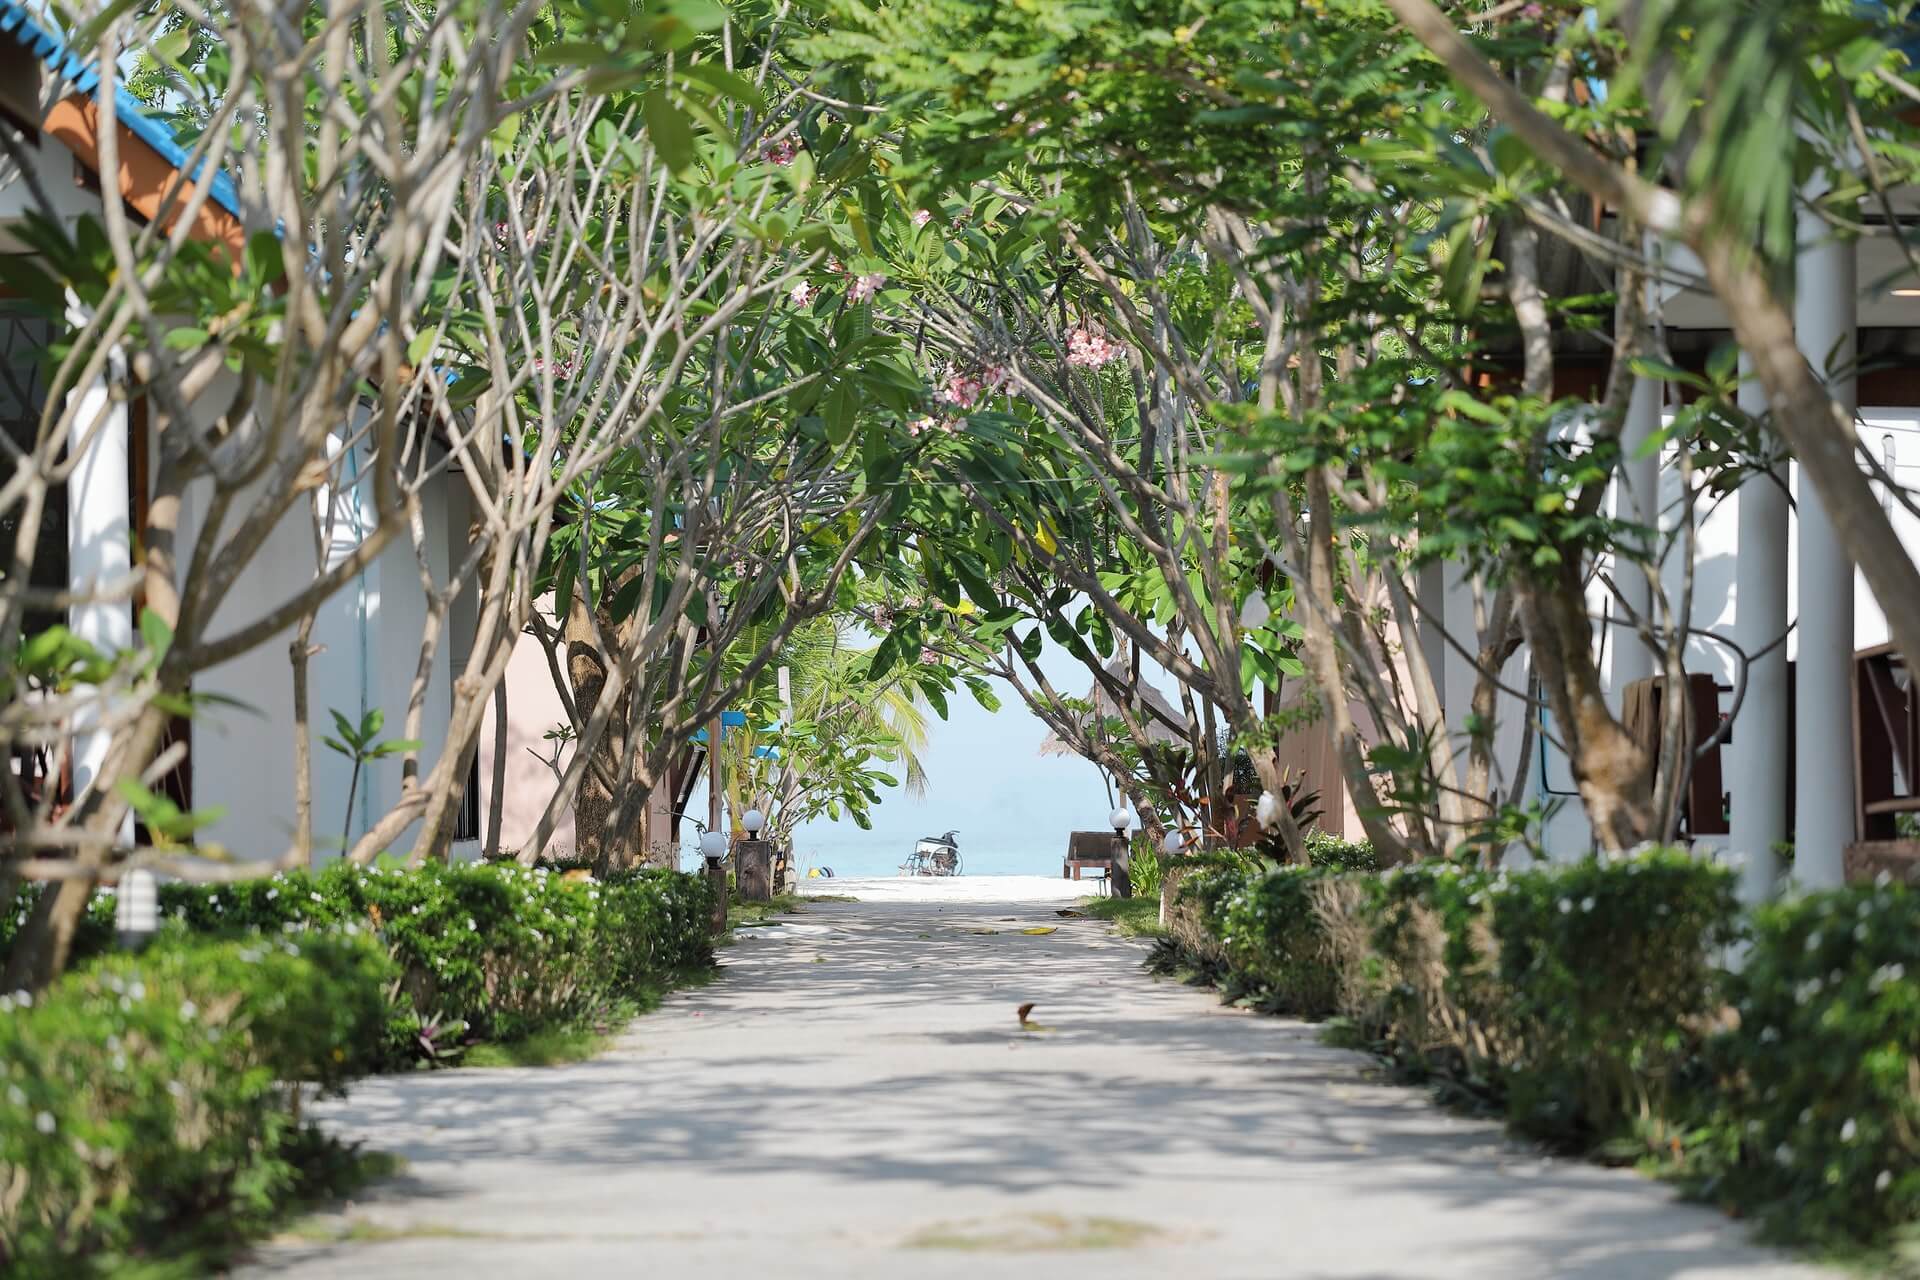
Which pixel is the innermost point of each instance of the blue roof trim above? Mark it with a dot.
(85, 78)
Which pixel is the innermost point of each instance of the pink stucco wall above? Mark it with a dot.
(533, 707)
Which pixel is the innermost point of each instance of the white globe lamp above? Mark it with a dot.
(754, 821)
(713, 845)
(1173, 844)
(136, 912)
(1120, 820)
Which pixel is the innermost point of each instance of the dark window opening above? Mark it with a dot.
(466, 825)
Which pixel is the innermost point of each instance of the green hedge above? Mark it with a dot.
(149, 1098)
(1575, 996)
(1588, 1003)
(490, 951)
(1276, 946)
(1252, 927)
(1820, 1098)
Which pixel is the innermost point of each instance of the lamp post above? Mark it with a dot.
(753, 860)
(1170, 846)
(713, 847)
(1121, 874)
(136, 911)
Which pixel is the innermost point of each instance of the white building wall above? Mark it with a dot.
(368, 638)
(1894, 435)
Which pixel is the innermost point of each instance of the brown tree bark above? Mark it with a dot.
(587, 672)
(1614, 773)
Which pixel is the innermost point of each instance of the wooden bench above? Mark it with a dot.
(1100, 851)
(1886, 737)
(1703, 809)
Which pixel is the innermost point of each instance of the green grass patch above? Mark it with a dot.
(749, 915)
(1034, 1233)
(330, 1230)
(549, 1047)
(325, 1171)
(1134, 917)
(577, 1042)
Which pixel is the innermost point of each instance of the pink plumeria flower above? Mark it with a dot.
(864, 287)
(921, 217)
(960, 390)
(803, 294)
(1089, 348)
(781, 151)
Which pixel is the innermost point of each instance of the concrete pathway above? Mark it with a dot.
(855, 1099)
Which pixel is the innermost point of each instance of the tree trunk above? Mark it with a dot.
(1613, 772)
(587, 670)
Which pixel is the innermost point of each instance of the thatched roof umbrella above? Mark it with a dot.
(1103, 706)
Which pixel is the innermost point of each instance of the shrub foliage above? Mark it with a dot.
(1588, 1002)
(1820, 1077)
(151, 1099)
(492, 951)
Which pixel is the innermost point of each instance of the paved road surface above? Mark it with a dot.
(855, 1099)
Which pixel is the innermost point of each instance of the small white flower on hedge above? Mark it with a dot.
(138, 990)
(16, 1095)
(1848, 1129)
(188, 1010)
(1885, 1179)
(44, 1122)
(1566, 906)
(272, 894)
(1783, 1154)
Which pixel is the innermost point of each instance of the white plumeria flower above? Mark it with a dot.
(1267, 811)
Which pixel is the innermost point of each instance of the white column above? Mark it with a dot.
(99, 548)
(1823, 800)
(1433, 645)
(1757, 757)
(1457, 676)
(1636, 497)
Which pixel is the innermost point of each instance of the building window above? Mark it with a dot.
(23, 395)
(466, 826)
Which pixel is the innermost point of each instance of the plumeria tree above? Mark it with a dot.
(1339, 369)
(265, 338)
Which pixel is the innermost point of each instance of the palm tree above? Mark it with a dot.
(847, 721)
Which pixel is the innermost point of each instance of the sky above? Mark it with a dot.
(1012, 808)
